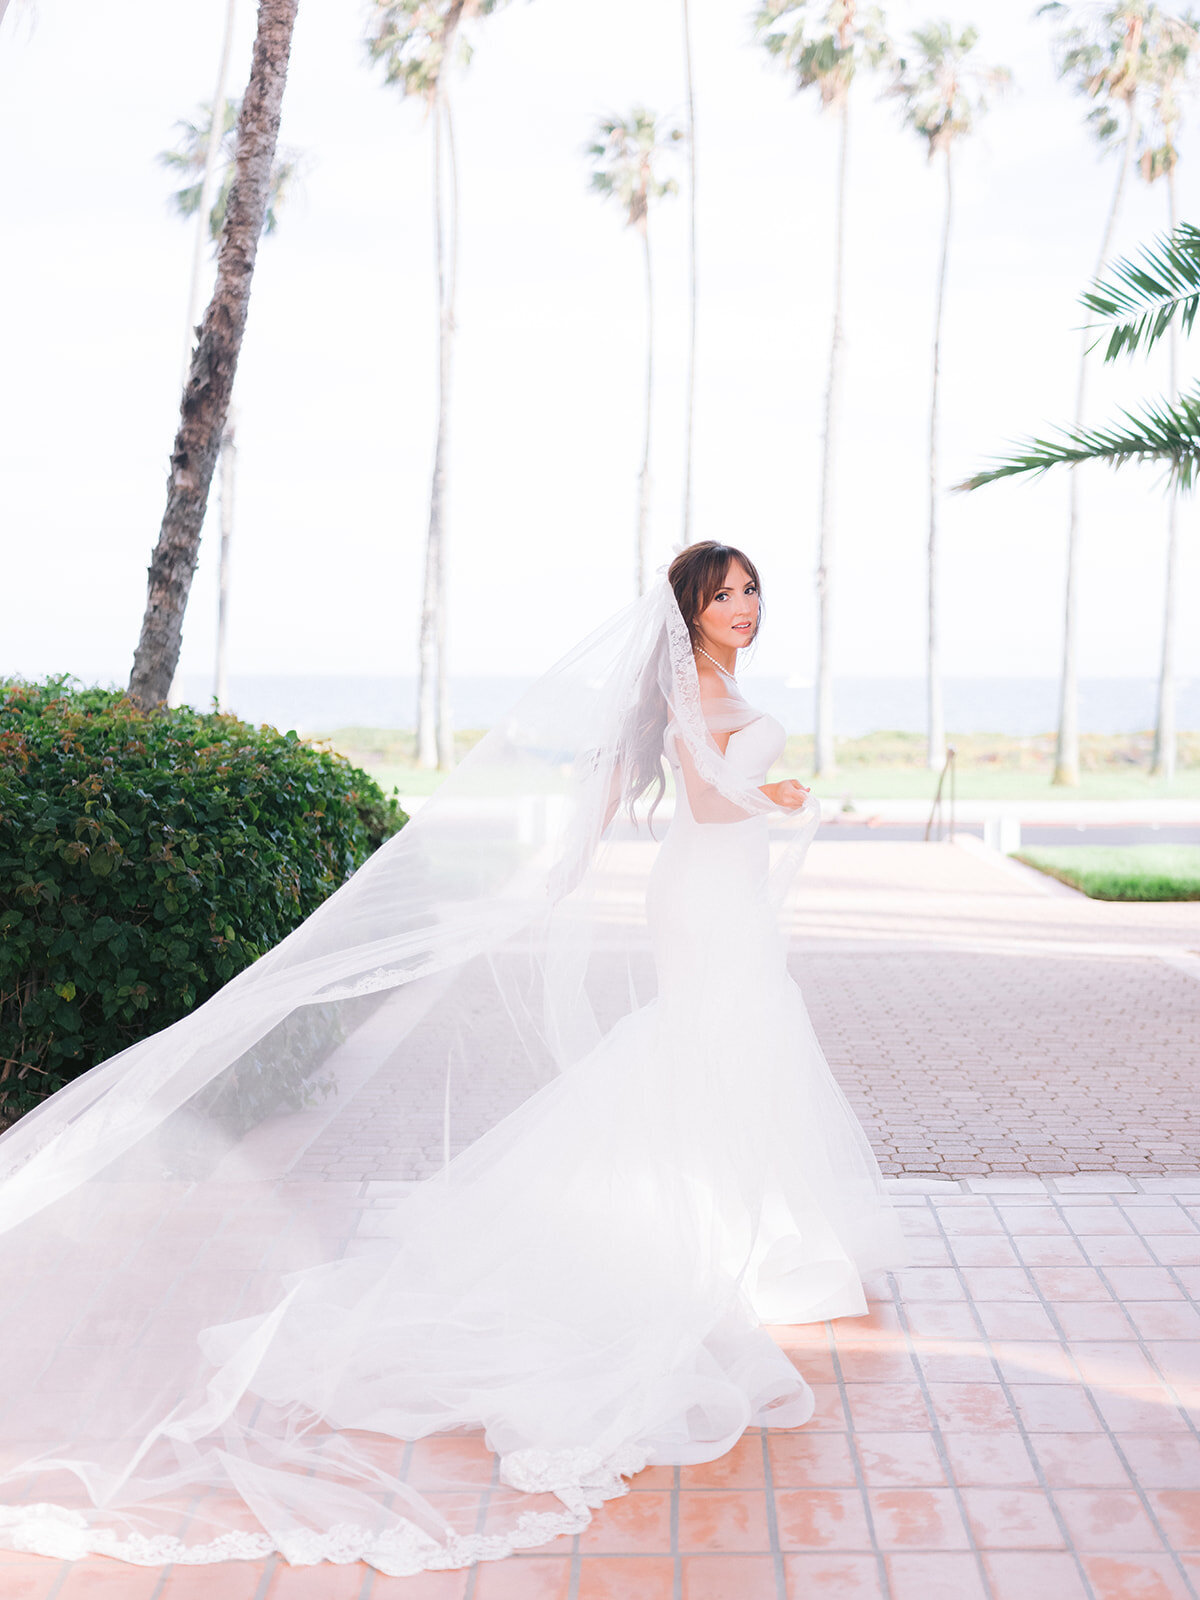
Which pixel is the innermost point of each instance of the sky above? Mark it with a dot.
(335, 391)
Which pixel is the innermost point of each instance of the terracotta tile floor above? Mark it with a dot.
(1017, 1419)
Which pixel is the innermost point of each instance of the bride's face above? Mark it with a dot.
(730, 619)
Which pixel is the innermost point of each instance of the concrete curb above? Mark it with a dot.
(1067, 1187)
(1040, 882)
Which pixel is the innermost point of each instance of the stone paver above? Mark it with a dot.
(1018, 1418)
(982, 1023)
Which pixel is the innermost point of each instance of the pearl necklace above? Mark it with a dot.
(716, 663)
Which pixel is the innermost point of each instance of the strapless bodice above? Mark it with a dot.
(753, 750)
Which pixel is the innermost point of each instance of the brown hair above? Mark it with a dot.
(695, 575)
(698, 572)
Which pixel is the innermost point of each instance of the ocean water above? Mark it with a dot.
(1016, 706)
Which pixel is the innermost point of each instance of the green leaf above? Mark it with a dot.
(176, 789)
(1144, 296)
(1159, 432)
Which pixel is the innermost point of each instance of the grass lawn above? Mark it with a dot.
(1123, 872)
(881, 766)
(994, 766)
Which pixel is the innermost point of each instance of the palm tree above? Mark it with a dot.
(416, 42)
(1104, 54)
(207, 392)
(208, 178)
(822, 44)
(1174, 42)
(691, 371)
(206, 165)
(626, 153)
(943, 92)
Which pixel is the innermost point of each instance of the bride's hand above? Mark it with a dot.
(787, 793)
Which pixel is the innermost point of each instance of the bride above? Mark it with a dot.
(472, 1198)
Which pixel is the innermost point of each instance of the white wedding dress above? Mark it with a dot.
(570, 1294)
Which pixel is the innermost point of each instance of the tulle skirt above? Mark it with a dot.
(584, 1291)
(580, 1293)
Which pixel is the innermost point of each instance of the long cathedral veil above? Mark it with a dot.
(175, 1223)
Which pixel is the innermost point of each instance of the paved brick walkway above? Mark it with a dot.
(982, 1019)
(982, 1022)
(1017, 1419)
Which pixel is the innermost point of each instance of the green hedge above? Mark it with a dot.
(145, 859)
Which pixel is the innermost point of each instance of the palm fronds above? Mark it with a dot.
(822, 42)
(941, 88)
(626, 154)
(416, 40)
(1143, 296)
(1104, 52)
(187, 157)
(1159, 431)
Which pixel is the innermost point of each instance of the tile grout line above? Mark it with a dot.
(485, 1502)
(371, 1573)
(935, 1426)
(1183, 1410)
(856, 1461)
(64, 1568)
(270, 1568)
(677, 1577)
(934, 1185)
(1110, 1433)
(1064, 1344)
(1143, 1345)
(1006, 1389)
(772, 1517)
(575, 1569)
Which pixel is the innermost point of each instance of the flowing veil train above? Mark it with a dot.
(468, 1200)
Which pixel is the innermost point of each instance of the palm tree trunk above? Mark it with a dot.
(214, 364)
(216, 132)
(228, 488)
(1066, 761)
(643, 520)
(824, 764)
(936, 755)
(691, 369)
(1163, 763)
(445, 724)
(432, 687)
(431, 624)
